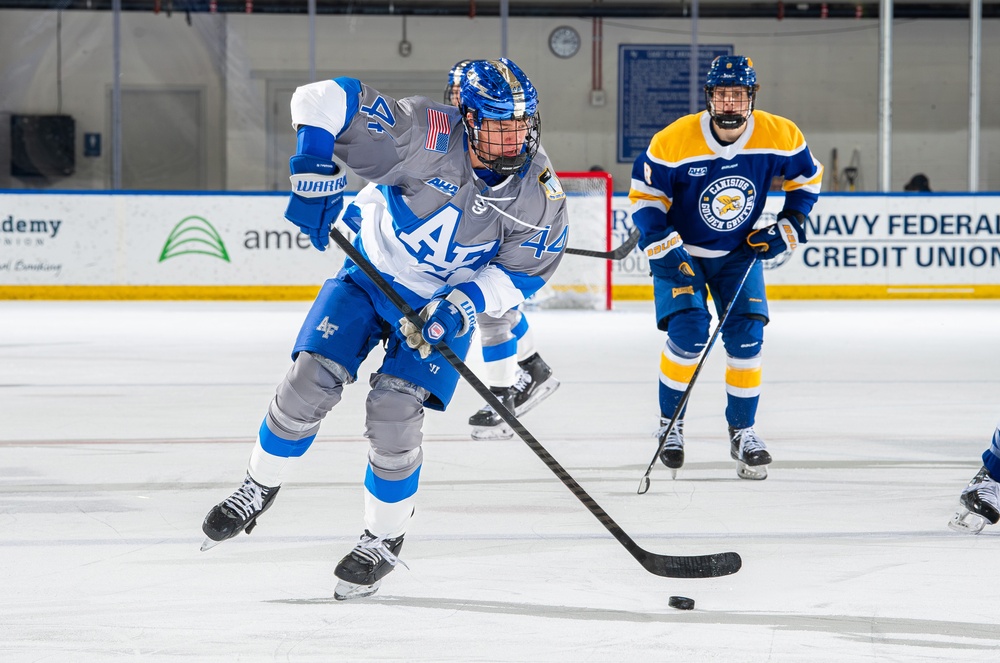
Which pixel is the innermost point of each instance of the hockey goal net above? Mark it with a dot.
(582, 281)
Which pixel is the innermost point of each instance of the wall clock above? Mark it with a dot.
(564, 42)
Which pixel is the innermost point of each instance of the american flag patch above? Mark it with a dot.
(438, 131)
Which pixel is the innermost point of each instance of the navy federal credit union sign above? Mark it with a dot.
(653, 89)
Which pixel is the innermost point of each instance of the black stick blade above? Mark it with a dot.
(697, 566)
(615, 254)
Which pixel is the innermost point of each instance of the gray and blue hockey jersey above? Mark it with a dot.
(426, 220)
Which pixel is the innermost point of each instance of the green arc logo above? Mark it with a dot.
(194, 234)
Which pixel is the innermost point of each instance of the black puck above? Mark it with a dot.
(681, 603)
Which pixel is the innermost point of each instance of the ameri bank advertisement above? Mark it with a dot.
(126, 240)
(866, 245)
(239, 245)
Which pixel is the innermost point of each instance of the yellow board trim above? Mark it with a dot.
(620, 292)
(645, 292)
(161, 292)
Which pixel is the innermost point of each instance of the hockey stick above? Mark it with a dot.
(695, 566)
(616, 254)
(644, 482)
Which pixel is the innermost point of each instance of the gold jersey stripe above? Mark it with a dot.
(743, 378)
(675, 371)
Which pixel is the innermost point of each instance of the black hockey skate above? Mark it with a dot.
(361, 572)
(237, 513)
(979, 505)
(749, 452)
(534, 384)
(487, 424)
(538, 386)
(671, 445)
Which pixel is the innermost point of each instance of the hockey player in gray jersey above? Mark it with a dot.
(461, 217)
(515, 372)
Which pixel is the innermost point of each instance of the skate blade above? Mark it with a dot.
(757, 473)
(967, 522)
(544, 391)
(209, 543)
(345, 591)
(501, 432)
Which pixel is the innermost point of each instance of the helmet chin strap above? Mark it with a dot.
(729, 121)
(505, 165)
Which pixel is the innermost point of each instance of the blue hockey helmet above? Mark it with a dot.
(454, 87)
(499, 90)
(731, 71)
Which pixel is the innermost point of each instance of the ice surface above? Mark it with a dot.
(122, 423)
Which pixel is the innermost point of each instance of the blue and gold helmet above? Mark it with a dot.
(731, 71)
(454, 87)
(499, 90)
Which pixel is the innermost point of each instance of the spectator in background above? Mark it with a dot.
(918, 182)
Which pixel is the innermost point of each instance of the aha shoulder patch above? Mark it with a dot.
(444, 186)
(551, 184)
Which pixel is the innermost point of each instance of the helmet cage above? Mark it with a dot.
(730, 120)
(498, 90)
(487, 143)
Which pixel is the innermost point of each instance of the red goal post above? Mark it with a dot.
(582, 281)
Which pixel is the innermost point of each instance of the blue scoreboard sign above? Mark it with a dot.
(653, 89)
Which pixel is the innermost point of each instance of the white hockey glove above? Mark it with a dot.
(445, 319)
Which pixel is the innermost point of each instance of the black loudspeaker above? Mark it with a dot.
(42, 145)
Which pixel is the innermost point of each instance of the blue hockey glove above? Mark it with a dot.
(668, 259)
(445, 318)
(317, 197)
(772, 241)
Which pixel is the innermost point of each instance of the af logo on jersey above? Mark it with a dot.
(727, 202)
(432, 242)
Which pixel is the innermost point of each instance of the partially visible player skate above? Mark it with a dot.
(749, 452)
(534, 384)
(237, 513)
(539, 385)
(487, 424)
(671, 444)
(361, 571)
(979, 505)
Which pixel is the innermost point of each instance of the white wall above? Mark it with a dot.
(821, 73)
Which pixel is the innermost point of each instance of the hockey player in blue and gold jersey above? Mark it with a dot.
(696, 194)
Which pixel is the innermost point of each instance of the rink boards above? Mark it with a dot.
(83, 245)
